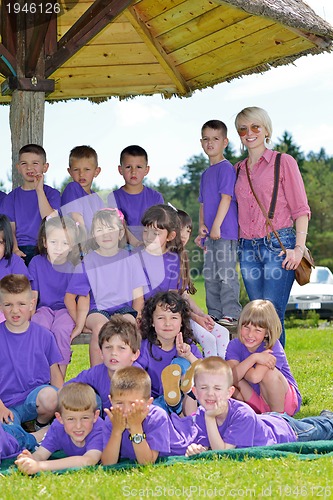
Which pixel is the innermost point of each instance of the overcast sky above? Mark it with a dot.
(299, 99)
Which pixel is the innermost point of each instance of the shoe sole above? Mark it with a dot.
(170, 377)
(187, 382)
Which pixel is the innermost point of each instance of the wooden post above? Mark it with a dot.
(26, 119)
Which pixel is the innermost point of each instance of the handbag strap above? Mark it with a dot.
(273, 202)
(272, 206)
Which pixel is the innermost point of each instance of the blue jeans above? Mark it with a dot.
(27, 411)
(311, 428)
(24, 439)
(263, 275)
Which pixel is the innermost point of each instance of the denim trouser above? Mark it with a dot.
(24, 439)
(221, 278)
(263, 276)
(311, 428)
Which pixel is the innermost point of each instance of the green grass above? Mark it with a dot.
(309, 352)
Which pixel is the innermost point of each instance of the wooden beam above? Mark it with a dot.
(7, 62)
(158, 51)
(29, 84)
(8, 27)
(37, 30)
(94, 20)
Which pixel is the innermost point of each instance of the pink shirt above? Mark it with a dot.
(291, 201)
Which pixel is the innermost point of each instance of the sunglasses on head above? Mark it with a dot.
(243, 130)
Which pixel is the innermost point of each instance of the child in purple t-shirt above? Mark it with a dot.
(29, 358)
(262, 375)
(168, 350)
(9, 262)
(133, 198)
(78, 199)
(218, 225)
(27, 205)
(51, 271)
(119, 341)
(222, 423)
(135, 429)
(113, 277)
(77, 431)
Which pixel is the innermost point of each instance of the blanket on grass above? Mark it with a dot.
(311, 450)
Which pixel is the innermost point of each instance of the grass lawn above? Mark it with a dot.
(309, 352)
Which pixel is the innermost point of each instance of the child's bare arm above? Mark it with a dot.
(110, 455)
(215, 232)
(57, 379)
(138, 301)
(144, 454)
(252, 368)
(16, 249)
(44, 206)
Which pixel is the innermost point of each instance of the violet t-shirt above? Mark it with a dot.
(14, 265)
(50, 281)
(9, 446)
(162, 272)
(216, 180)
(109, 280)
(237, 351)
(242, 427)
(133, 206)
(2, 197)
(99, 379)
(25, 361)
(75, 199)
(21, 207)
(155, 363)
(57, 439)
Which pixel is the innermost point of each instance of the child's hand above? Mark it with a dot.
(19, 253)
(194, 449)
(266, 358)
(183, 349)
(215, 233)
(117, 417)
(39, 182)
(198, 241)
(27, 465)
(220, 410)
(207, 322)
(138, 413)
(25, 453)
(203, 231)
(5, 414)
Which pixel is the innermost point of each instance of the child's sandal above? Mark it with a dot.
(170, 377)
(187, 382)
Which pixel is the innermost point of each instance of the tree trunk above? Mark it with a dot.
(26, 119)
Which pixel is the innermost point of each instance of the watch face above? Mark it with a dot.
(137, 438)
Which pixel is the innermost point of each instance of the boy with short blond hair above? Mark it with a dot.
(133, 198)
(29, 358)
(119, 341)
(218, 227)
(77, 431)
(222, 422)
(28, 204)
(78, 199)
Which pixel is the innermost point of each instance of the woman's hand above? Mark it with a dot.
(293, 258)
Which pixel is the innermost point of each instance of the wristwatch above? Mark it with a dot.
(137, 438)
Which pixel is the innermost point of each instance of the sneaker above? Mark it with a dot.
(228, 321)
(38, 426)
(327, 413)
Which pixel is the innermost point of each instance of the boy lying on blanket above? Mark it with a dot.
(77, 431)
(222, 423)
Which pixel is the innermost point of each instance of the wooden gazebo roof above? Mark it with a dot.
(103, 48)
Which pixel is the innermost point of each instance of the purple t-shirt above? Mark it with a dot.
(16, 265)
(2, 197)
(241, 428)
(162, 272)
(75, 199)
(237, 351)
(154, 364)
(57, 439)
(109, 280)
(50, 281)
(25, 360)
(21, 207)
(217, 180)
(9, 446)
(133, 206)
(155, 426)
(99, 379)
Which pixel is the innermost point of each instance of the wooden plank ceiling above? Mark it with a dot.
(162, 46)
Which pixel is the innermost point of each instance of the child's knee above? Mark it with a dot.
(47, 399)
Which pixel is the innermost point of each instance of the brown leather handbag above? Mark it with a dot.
(303, 271)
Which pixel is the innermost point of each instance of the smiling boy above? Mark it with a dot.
(28, 204)
(77, 431)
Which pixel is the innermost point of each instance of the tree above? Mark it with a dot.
(287, 145)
